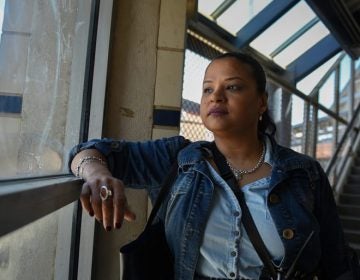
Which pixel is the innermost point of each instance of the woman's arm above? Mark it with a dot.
(114, 164)
(91, 165)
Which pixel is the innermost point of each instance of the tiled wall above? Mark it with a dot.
(170, 65)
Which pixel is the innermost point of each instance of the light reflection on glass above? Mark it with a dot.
(297, 110)
(305, 42)
(307, 84)
(240, 13)
(326, 95)
(2, 7)
(345, 73)
(206, 7)
(283, 28)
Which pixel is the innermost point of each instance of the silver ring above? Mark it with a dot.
(105, 193)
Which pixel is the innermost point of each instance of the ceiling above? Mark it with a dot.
(342, 17)
(292, 37)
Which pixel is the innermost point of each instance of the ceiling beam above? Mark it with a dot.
(209, 28)
(343, 21)
(314, 57)
(294, 37)
(262, 21)
(221, 9)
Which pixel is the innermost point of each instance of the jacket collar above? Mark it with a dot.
(193, 153)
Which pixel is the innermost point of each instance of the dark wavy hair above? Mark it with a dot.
(266, 125)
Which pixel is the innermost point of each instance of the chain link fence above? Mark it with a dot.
(191, 126)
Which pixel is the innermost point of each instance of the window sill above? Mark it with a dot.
(24, 201)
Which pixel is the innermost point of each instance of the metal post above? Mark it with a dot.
(306, 128)
(285, 124)
(337, 106)
(274, 103)
(333, 176)
(314, 127)
(352, 89)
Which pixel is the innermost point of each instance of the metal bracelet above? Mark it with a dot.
(88, 159)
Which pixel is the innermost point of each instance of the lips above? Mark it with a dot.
(217, 111)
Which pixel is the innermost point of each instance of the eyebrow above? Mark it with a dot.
(228, 79)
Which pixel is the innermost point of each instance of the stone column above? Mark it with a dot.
(145, 81)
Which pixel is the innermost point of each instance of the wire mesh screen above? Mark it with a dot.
(191, 126)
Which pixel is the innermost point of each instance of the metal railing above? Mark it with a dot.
(334, 162)
(349, 128)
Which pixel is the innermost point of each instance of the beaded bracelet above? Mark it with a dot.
(85, 160)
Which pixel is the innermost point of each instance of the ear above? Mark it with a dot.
(263, 103)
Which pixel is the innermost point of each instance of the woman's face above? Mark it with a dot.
(230, 100)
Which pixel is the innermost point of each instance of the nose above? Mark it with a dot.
(218, 95)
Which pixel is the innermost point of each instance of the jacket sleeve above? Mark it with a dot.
(137, 164)
(335, 261)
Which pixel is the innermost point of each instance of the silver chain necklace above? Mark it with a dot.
(239, 173)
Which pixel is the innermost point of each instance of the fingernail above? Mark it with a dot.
(117, 225)
(108, 228)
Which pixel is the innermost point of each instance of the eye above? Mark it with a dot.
(234, 87)
(207, 90)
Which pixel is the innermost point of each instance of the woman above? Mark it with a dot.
(287, 193)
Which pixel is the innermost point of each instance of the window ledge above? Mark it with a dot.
(24, 201)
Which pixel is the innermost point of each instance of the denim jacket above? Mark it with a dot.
(300, 201)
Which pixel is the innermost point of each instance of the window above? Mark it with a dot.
(44, 65)
(42, 70)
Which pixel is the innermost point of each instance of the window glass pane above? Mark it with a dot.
(357, 63)
(307, 84)
(283, 28)
(32, 251)
(194, 70)
(341, 131)
(297, 110)
(324, 147)
(298, 47)
(297, 122)
(240, 13)
(206, 7)
(345, 72)
(326, 93)
(344, 108)
(191, 125)
(345, 86)
(42, 64)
